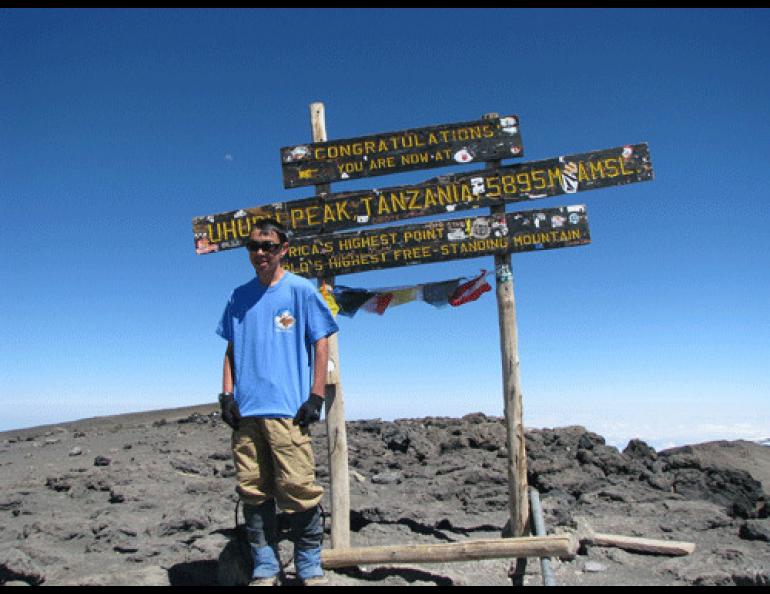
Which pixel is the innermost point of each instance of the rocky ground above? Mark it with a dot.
(148, 499)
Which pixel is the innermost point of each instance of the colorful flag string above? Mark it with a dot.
(347, 300)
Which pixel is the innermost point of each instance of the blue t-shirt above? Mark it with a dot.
(273, 330)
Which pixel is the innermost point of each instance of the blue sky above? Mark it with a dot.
(118, 126)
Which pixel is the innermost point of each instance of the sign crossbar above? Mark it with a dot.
(395, 152)
(522, 182)
(470, 237)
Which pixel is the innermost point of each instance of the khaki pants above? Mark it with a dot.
(274, 459)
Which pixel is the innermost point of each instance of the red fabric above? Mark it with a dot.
(379, 303)
(471, 290)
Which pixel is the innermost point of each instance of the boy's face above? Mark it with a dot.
(264, 259)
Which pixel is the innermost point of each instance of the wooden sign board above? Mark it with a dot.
(389, 247)
(394, 152)
(512, 183)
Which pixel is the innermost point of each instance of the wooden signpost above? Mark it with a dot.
(522, 182)
(320, 249)
(394, 152)
(422, 243)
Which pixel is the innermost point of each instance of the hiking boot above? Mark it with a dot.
(316, 581)
(271, 581)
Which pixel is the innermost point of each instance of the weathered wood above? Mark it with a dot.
(531, 546)
(514, 429)
(586, 535)
(407, 150)
(521, 182)
(641, 545)
(334, 403)
(439, 241)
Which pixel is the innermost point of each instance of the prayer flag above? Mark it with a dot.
(401, 296)
(437, 294)
(471, 290)
(379, 303)
(350, 300)
(329, 298)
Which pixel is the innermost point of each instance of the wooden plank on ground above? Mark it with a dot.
(561, 545)
(642, 545)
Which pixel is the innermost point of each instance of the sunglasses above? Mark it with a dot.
(265, 246)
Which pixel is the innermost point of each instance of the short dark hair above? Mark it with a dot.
(268, 225)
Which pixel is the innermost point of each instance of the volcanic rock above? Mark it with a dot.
(15, 565)
(756, 530)
(164, 510)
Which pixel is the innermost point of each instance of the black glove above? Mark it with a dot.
(230, 413)
(310, 411)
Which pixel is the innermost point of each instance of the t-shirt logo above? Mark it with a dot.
(284, 321)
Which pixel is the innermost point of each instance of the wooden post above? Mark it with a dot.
(514, 418)
(560, 545)
(336, 432)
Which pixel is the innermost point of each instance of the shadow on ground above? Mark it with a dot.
(379, 574)
(195, 573)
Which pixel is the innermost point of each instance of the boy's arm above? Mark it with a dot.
(228, 369)
(310, 411)
(230, 413)
(320, 367)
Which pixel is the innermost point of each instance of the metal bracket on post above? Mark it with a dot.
(537, 519)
